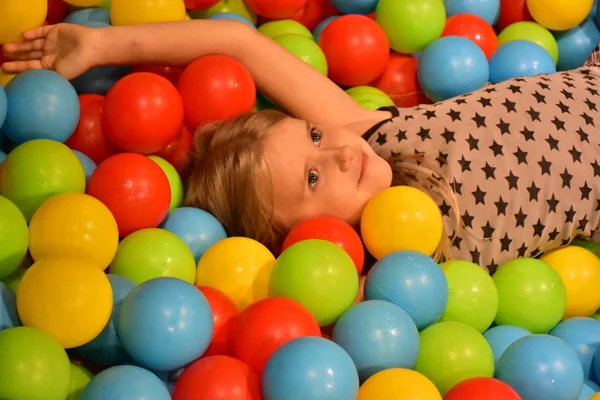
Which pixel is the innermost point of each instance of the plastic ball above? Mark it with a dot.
(310, 368)
(5, 78)
(89, 138)
(475, 29)
(38, 170)
(19, 17)
(411, 25)
(399, 81)
(541, 367)
(559, 15)
(217, 377)
(13, 280)
(306, 49)
(32, 112)
(488, 10)
(482, 388)
(170, 72)
(398, 383)
(579, 270)
(106, 349)
(84, 3)
(3, 105)
(532, 32)
(267, 325)
(590, 391)
(512, 11)
(411, 280)
(452, 352)
(133, 12)
(314, 12)
(355, 6)
(378, 335)
(57, 11)
(452, 66)
(472, 295)
(501, 336)
(274, 29)
(125, 382)
(80, 377)
(229, 16)
(215, 88)
(9, 317)
(14, 236)
(239, 267)
(199, 4)
(134, 188)
(356, 49)
(179, 151)
(276, 10)
(174, 181)
(235, 6)
(83, 16)
(88, 165)
(224, 313)
(33, 365)
(318, 31)
(319, 275)
(520, 58)
(165, 324)
(531, 295)
(99, 80)
(331, 229)
(583, 334)
(370, 97)
(576, 44)
(197, 228)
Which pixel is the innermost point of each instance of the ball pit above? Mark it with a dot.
(403, 383)
(224, 314)
(127, 381)
(520, 58)
(131, 12)
(532, 32)
(306, 49)
(14, 237)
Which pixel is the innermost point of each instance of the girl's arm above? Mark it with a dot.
(290, 82)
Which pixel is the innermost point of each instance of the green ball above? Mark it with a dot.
(38, 170)
(80, 377)
(452, 352)
(319, 275)
(531, 295)
(411, 25)
(472, 295)
(33, 366)
(370, 97)
(174, 181)
(590, 245)
(14, 280)
(238, 7)
(306, 49)
(533, 32)
(105, 4)
(273, 29)
(14, 237)
(596, 316)
(154, 253)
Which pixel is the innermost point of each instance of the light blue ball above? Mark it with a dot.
(486, 9)
(355, 6)
(541, 367)
(229, 16)
(99, 80)
(106, 349)
(502, 336)
(597, 16)
(413, 281)
(3, 106)
(197, 228)
(589, 389)
(9, 317)
(2, 157)
(165, 324)
(125, 382)
(583, 334)
(88, 165)
(576, 45)
(377, 335)
(594, 10)
(318, 31)
(520, 58)
(596, 366)
(41, 105)
(81, 17)
(452, 66)
(310, 368)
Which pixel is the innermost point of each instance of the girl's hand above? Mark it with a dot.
(67, 49)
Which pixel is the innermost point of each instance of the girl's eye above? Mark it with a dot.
(315, 136)
(313, 178)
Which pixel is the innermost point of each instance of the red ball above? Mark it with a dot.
(314, 12)
(267, 325)
(200, 4)
(474, 28)
(217, 378)
(215, 88)
(134, 188)
(166, 71)
(179, 152)
(512, 11)
(89, 137)
(482, 388)
(143, 113)
(276, 9)
(356, 48)
(224, 312)
(333, 230)
(400, 81)
(57, 11)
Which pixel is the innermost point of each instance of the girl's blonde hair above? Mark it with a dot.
(229, 178)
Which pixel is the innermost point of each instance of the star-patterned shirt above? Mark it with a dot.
(523, 157)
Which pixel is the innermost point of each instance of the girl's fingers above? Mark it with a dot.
(10, 48)
(37, 33)
(26, 56)
(15, 67)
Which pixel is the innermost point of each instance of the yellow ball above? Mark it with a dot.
(174, 181)
(84, 3)
(5, 78)
(69, 299)
(18, 16)
(398, 384)
(595, 397)
(74, 225)
(559, 15)
(239, 267)
(579, 269)
(133, 12)
(401, 218)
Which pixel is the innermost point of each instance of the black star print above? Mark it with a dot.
(527, 134)
(575, 154)
(408, 116)
(545, 165)
(563, 108)
(566, 178)
(492, 267)
(475, 254)
(538, 228)
(588, 120)
(568, 95)
(473, 143)
(552, 203)
(545, 78)
(570, 215)
(381, 138)
(534, 114)
(497, 149)
(479, 120)
(401, 135)
(522, 251)
(553, 143)
(489, 171)
(501, 206)
(429, 114)
(455, 115)
(460, 101)
(510, 106)
(520, 217)
(505, 243)
(424, 134)
(448, 136)
(596, 168)
(490, 89)
(569, 84)
(457, 186)
(559, 124)
(533, 192)
(512, 181)
(593, 92)
(442, 158)
(485, 102)
(539, 97)
(583, 136)
(583, 223)
(521, 156)
(585, 191)
(591, 105)
(514, 89)
(468, 220)
(488, 231)
(456, 241)
(543, 85)
(445, 208)
(465, 164)
(479, 196)
(504, 127)
(552, 235)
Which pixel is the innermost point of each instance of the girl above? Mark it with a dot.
(514, 167)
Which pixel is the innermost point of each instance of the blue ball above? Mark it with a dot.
(452, 66)
(413, 281)
(3, 106)
(229, 16)
(597, 16)
(106, 349)
(519, 58)
(594, 10)
(88, 165)
(41, 105)
(576, 45)
(355, 6)
(596, 366)
(486, 9)
(9, 317)
(378, 335)
(88, 15)
(2, 157)
(165, 324)
(583, 334)
(502, 336)
(589, 389)
(125, 382)
(99, 80)
(310, 368)
(197, 228)
(541, 367)
(318, 31)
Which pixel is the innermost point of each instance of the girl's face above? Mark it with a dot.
(322, 171)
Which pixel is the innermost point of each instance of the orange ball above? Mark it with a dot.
(224, 313)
